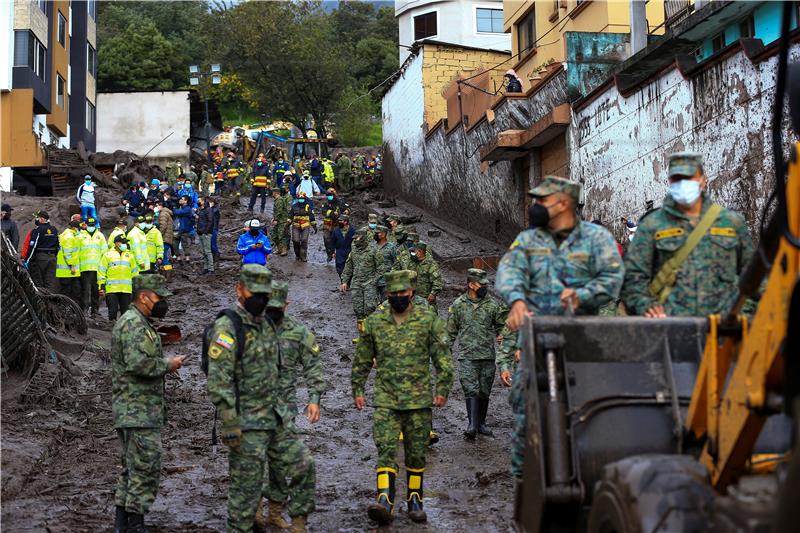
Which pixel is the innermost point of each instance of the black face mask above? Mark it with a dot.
(275, 315)
(401, 239)
(481, 292)
(6, 216)
(377, 238)
(254, 232)
(399, 303)
(159, 309)
(256, 304)
(36, 222)
(538, 216)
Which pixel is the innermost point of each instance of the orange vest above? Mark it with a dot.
(260, 181)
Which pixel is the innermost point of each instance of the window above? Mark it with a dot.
(526, 32)
(62, 30)
(42, 5)
(747, 28)
(489, 20)
(60, 89)
(41, 59)
(717, 43)
(89, 117)
(91, 60)
(425, 26)
(91, 7)
(29, 52)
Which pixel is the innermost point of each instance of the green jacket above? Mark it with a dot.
(508, 347)
(388, 252)
(404, 354)
(429, 277)
(138, 367)
(706, 281)
(403, 259)
(280, 208)
(344, 167)
(364, 266)
(298, 347)
(392, 236)
(476, 323)
(257, 373)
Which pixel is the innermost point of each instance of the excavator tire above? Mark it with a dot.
(652, 493)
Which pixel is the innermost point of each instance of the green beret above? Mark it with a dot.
(399, 280)
(152, 282)
(684, 163)
(554, 184)
(256, 278)
(280, 290)
(476, 274)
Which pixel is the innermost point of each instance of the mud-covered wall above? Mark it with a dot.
(620, 145)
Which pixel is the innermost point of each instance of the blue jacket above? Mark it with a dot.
(280, 166)
(185, 219)
(249, 255)
(191, 193)
(343, 244)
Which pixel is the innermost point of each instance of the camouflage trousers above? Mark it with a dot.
(289, 457)
(365, 299)
(280, 234)
(517, 400)
(137, 484)
(246, 467)
(387, 425)
(477, 377)
(345, 182)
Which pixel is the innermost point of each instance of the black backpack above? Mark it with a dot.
(238, 327)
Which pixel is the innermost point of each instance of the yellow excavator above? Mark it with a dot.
(639, 425)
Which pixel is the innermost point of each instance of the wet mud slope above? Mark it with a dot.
(60, 457)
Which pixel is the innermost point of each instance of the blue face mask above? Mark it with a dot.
(91, 229)
(88, 182)
(330, 197)
(123, 247)
(373, 226)
(142, 225)
(188, 185)
(685, 192)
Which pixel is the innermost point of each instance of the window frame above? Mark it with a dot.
(717, 42)
(749, 24)
(491, 10)
(435, 13)
(91, 112)
(61, 91)
(42, 5)
(91, 8)
(530, 17)
(61, 33)
(91, 53)
(40, 60)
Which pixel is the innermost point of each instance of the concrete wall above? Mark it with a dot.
(137, 121)
(403, 116)
(620, 144)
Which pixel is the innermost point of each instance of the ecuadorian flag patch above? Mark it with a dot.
(225, 341)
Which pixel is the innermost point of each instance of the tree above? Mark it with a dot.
(139, 58)
(354, 118)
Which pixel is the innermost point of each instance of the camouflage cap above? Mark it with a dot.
(399, 280)
(684, 163)
(152, 282)
(421, 245)
(412, 236)
(394, 217)
(275, 189)
(256, 278)
(554, 184)
(476, 274)
(381, 228)
(280, 290)
(373, 217)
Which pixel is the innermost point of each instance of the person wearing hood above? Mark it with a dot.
(254, 245)
(93, 247)
(188, 190)
(309, 187)
(512, 81)
(85, 196)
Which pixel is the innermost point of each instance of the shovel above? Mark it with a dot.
(170, 334)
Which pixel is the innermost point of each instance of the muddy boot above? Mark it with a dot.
(296, 246)
(472, 413)
(120, 519)
(483, 408)
(304, 252)
(381, 510)
(275, 516)
(136, 523)
(414, 499)
(299, 524)
(283, 251)
(260, 522)
(433, 438)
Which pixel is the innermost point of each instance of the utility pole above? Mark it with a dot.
(195, 77)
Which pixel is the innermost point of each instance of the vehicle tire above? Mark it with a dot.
(652, 493)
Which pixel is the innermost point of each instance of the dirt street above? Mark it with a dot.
(59, 458)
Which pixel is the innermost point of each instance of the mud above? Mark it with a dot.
(59, 458)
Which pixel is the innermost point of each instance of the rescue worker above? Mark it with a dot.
(115, 277)
(476, 320)
(298, 348)
(402, 259)
(330, 215)
(154, 241)
(395, 227)
(184, 215)
(344, 173)
(660, 278)
(244, 384)
(9, 227)
(328, 176)
(362, 269)
(254, 245)
(303, 222)
(389, 253)
(93, 247)
(68, 261)
(85, 197)
(233, 167)
(561, 265)
(281, 221)
(41, 258)
(308, 187)
(403, 342)
(138, 368)
(205, 225)
(429, 276)
(219, 179)
(315, 171)
(372, 224)
(342, 238)
(260, 183)
(138, 244)
(280, 169)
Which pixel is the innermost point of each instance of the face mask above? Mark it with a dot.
(538, 216)
(301, 201)
(481, 293)
(330, 198)
(159, 309)
(188, 185)
(256, 304)
(91, 229)
(88, 182)
(123, 247)
(142, 226)
(399, 303)
(260, 164)
(36, 222)
(373, 226)
(685, 192)
(275, 315)
(254, 232)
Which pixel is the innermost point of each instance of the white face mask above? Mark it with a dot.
(685, 192)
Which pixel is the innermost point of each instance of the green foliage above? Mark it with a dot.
(138, 58)
(354, 123)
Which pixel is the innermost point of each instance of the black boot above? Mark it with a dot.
(381, 510)
(472, 413)
(136, 523)
(120, 519)
(483, 429)
(414, 499)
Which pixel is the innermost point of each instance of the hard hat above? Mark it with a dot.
(255, 223)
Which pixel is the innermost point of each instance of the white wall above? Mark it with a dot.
(137, 121)
(6, 43)
(455, 23)
(403, 114)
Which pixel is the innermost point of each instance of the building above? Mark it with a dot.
(472, 23)
(46, 90)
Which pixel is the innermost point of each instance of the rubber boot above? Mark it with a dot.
(414, 499)
(304, 252)
(483, 429)
(381, 510)
(260, 521)
(299, 524)
(360, 327)
(296, 250)
(275, 516)
(472, 414)
(120, 519)
(433, 437)
(136, 523)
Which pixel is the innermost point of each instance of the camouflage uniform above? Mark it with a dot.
(372, 222)
(361, 272)
(344, 173)
(397, 230)
(429, 276)
(389, 252)
(138, 367)
(537, 268)
(402, 259)
(257, 412)
(402, 393)
(280, 214)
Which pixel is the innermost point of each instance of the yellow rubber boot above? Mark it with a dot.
(382, 509)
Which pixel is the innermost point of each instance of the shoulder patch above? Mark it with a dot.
(225, 341)
(724, 232)
(538, 251)
(315, 348)
(671, 232)
(514, 244)
(578, 256)
(214, 351)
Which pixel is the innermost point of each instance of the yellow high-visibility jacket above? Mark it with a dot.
(137, 241)
(68, 255)
(93, 246)
(116, 271)
(155, 244)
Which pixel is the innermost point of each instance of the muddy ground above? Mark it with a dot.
(59, 457)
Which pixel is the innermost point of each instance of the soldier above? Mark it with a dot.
(389, 253)
(303, 222)
(298, 347)
(402, 259)
(243, 382)
(562, 265)
(395, 227)
(138, 367)
(344, 173)
(93, 247)
(361, 272)
(476, 321)
(403, 341)
(358, 165)
(68, 261)
(372, 224)
(686, 257)
(280, 220)
(429, 276)
(416, 299)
